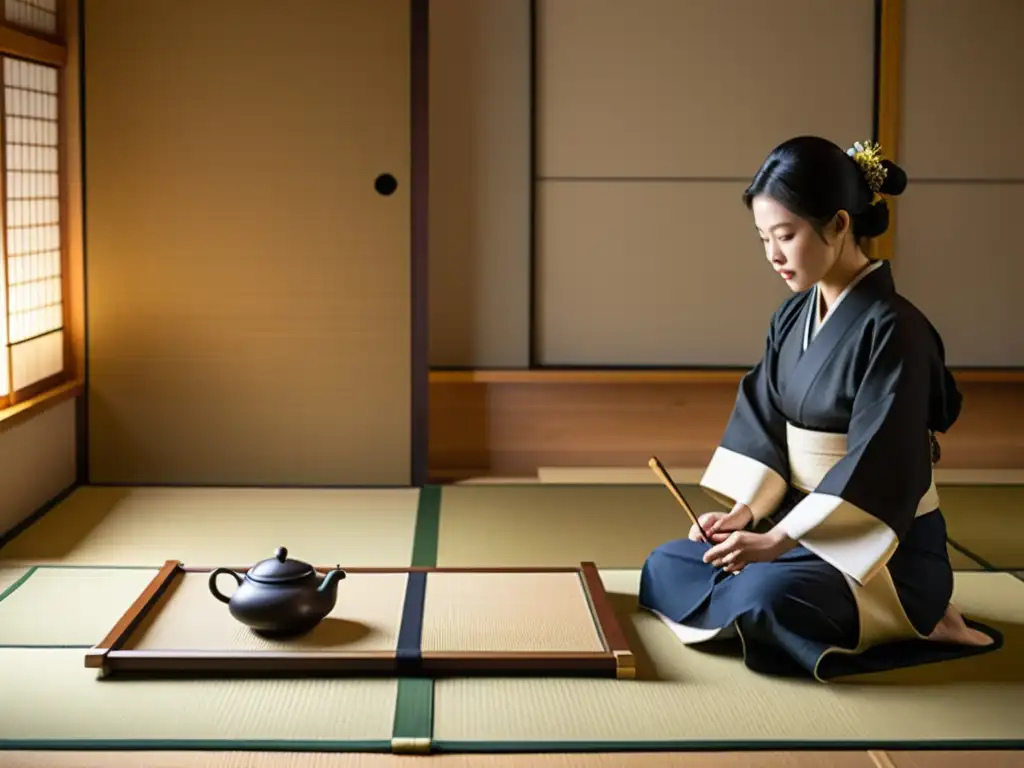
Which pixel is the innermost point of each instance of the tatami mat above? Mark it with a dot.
(987, 522)
(615, 526)
(544, 525)
(538, 525)
(685, 696)
(366, 618)
(642, 475)
(508, 612)
(983, 508)
(59, 700)
(222, 526)
(69, 607)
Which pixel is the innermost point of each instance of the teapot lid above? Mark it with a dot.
(279, 568)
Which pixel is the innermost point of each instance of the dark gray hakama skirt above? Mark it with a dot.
(792, 611)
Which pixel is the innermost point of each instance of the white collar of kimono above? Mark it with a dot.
(812, 316)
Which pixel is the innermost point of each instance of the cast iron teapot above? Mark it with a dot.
(279, 597)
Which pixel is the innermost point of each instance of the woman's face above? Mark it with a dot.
(794, 250)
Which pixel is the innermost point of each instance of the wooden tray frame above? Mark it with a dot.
(616, 660)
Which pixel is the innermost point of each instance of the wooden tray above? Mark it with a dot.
(391, 621)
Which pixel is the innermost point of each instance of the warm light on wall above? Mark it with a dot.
(33, 300)
(40, 15)
(5, 373)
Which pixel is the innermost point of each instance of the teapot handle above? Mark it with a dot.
(213, 583)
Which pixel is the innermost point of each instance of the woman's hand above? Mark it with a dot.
(706, 521)
(736, 520)
(717, 522)
(734, 551)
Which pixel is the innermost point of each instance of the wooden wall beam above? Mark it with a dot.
(510, 423)
(14, 42)
(72, 211)
(890, 46)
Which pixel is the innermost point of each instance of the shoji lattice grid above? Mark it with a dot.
(34, 302)
(36, 15)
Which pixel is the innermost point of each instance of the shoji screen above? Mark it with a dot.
(34, 15)
(32, 299)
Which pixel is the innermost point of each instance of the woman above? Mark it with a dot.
(833, 558)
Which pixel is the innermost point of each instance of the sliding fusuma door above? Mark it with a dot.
(248, 268)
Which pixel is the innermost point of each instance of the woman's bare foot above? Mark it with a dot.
(953, 629)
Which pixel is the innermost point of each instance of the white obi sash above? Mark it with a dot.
(812, 454)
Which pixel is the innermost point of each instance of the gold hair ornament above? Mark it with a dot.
(868, 155)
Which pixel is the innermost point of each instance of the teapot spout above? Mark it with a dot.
(329, 585)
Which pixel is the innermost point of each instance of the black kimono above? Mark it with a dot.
(831, 439)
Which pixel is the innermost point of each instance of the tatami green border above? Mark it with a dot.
(428, 524)
(414, 703)
(414, 715)
(18, 582)
(191, 745)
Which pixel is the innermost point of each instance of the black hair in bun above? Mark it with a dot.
(872, 222)
(815, 179)
(875, 220)
(895, 179)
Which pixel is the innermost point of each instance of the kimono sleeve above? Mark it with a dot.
(750, 465)
(868, 500)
